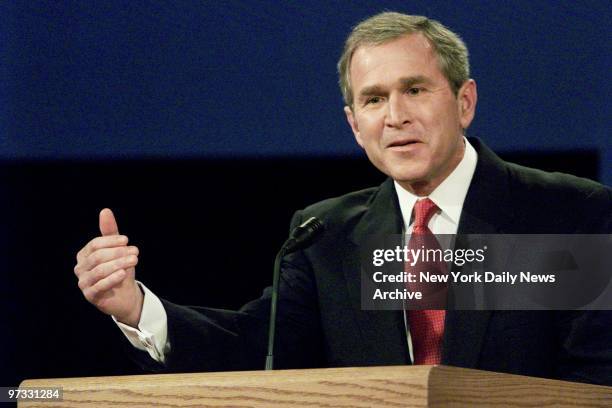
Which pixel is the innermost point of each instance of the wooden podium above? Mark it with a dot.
(396, 386)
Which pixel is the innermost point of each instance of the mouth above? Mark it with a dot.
(403, 143)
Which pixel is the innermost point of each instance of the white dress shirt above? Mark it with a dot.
(152, 332)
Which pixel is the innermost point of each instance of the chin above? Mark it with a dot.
(409, 175)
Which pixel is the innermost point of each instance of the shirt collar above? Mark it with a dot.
(449, 195)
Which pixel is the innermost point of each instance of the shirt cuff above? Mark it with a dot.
(152, 333)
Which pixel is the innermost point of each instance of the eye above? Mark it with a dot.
(373, 100)
(414, 91)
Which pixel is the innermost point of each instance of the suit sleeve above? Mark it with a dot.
(586, 337)
(586, 347)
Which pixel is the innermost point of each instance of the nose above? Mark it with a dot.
(398, 113)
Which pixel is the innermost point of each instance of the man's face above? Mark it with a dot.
(405, 114)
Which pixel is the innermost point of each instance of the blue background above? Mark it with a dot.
(202, 79)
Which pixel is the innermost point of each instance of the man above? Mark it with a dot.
(409, 98)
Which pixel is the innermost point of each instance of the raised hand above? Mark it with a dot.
(106, 271)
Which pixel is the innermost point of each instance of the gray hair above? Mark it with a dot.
(451, 52)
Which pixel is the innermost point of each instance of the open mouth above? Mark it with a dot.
(401, 143)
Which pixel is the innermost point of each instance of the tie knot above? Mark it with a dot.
(423, 211)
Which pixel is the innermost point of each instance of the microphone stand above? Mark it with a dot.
(272, 328)
(302, 236)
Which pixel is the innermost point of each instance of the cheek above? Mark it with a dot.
(442, 129)
(373, 117)
(370, 129)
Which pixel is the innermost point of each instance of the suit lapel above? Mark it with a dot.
(486, 210)
(382, 332)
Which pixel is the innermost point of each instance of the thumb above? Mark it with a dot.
(108, 225)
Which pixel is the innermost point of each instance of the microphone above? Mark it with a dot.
(302, 236)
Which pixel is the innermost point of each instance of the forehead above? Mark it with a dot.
(409, 55)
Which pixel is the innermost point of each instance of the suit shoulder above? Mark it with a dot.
(343, 206)
(561, 195)
(538, 181)
(339, 212)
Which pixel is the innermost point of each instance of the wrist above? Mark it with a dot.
(133, 317)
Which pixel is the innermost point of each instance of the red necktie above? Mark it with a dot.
(426, 326)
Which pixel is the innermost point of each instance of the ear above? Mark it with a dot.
(350, 117)
(467, 98)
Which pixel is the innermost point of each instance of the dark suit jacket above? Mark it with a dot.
(321, 323)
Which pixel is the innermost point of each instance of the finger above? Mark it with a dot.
(94, 292)
(91, 278)
(108, 224)
(99, 256)
(103, 255)
(110, 241)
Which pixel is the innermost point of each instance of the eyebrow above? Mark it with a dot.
(405, 81)
(413, 80)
